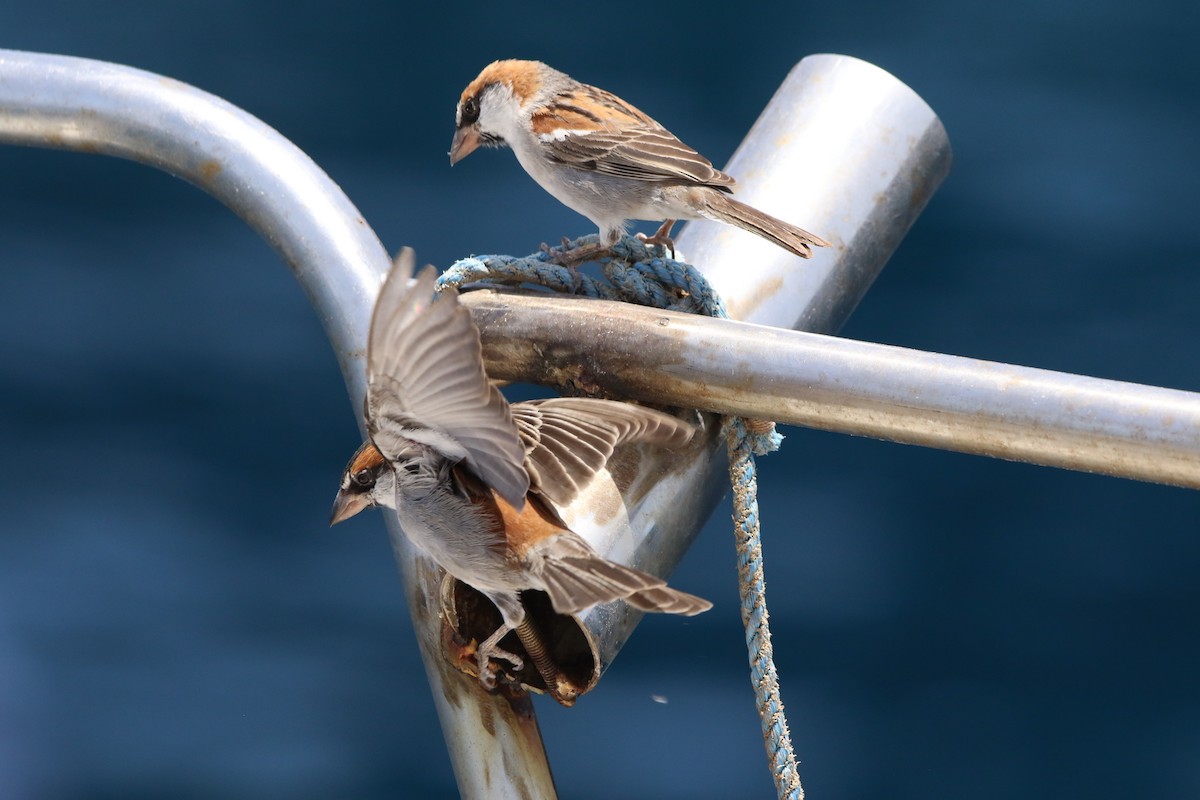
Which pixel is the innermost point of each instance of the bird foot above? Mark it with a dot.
(661, 237)
(571, 259)
(491, 649)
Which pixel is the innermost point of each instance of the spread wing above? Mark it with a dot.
(592, 130)
(569, 439)
(426, 383)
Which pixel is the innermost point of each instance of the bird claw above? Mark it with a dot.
(570, 259)
(482, 657)
(489, 650)
(564, 246)
(661, 237)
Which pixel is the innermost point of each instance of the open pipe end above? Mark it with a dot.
(469, 618)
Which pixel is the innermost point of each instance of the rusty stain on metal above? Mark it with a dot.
(209, 169)
(745, 305)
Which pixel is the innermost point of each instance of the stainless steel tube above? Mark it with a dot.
(843, 149)
(954, 403)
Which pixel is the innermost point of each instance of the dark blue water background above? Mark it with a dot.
(176, 620)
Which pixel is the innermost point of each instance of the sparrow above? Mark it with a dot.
(476, 482)
(602, 157)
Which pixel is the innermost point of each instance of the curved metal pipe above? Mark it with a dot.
(96, 107)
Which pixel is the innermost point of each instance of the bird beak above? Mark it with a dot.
(346, 505)
(465, 141)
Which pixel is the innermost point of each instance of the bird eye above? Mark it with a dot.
(470, 110)
(364, 478)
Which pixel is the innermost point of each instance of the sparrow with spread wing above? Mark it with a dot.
(475, 482)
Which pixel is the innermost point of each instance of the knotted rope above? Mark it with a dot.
(639, 274)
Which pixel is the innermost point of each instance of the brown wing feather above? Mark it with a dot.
(612, 137)
(638, 153)
(426, 382)
(570, 439)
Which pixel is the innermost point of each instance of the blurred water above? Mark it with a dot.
(177, 621)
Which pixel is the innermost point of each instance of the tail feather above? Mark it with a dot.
(788, 236)
(665, 600)
(576, 578)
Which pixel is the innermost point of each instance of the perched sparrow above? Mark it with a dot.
(475, 481)
(602, 157)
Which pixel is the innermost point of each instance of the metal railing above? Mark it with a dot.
(843, 149)
(1019, 413)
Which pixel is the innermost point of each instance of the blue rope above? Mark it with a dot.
(635, 273)
(752, 589)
